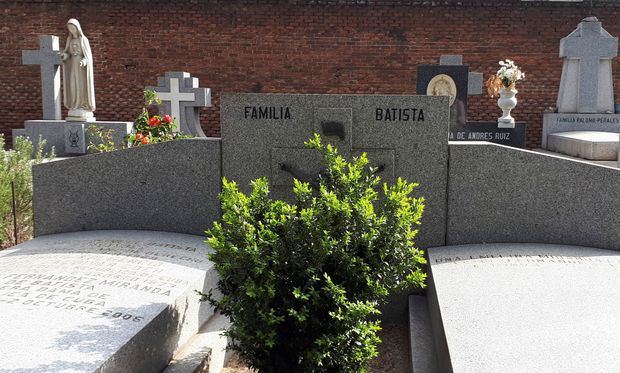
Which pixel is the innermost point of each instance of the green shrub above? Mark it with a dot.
(16, 168)
(101, 139)
(301, 283)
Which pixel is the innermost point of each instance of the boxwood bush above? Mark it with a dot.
(302, 282)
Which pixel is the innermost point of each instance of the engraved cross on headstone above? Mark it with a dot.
(474, 81)
(48, 57)
(335, 125)
(589, 44)
(182, 98)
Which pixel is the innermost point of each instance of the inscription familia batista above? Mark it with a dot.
(380, 114)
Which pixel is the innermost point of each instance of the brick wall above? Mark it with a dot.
(293, 46)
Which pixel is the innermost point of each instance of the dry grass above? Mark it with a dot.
(393, 353)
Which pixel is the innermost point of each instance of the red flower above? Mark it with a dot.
(154, 121)
(139, 136)
(167, 118)
(145, 140)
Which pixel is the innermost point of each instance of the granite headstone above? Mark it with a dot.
(405, 136)
(587, 81)
(182, 98)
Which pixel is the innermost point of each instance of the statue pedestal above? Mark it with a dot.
(69, 138)
(565, 122)
(80, 115)
(587, 136)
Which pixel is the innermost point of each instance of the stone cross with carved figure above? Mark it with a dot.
(587, 82)
(48, 58)
(182, 98)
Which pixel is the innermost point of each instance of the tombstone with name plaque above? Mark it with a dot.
(585, 118)
(452, 78)
(404, 136)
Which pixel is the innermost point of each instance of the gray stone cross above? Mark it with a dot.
(48, 57)
(474, 80)
(182, 99)
(589, 44)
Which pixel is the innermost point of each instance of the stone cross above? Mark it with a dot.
(48, 58)
(182, 99)
(474, 80)
(589, 44)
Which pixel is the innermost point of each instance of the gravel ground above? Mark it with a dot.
(393, 353)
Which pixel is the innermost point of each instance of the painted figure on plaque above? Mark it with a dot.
(78, 82)
(444, 85)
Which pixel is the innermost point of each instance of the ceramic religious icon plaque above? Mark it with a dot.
(450, 81)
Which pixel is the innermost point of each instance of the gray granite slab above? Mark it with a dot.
(514, 195)
(423, 355)
(557, 122)
(406, 134)
(101, 301)
(527, 308)
(594, 145)
(171, 187)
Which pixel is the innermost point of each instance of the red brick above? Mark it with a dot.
(293, 46)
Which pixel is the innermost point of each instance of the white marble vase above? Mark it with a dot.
(507, 101)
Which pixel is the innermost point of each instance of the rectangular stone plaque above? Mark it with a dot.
(75, 138)
(101, 301)
(525, 308)
(264, 135)
(488, 131)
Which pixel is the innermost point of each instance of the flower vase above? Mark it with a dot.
(507, 101)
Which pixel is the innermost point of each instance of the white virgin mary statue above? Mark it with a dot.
(77, 75)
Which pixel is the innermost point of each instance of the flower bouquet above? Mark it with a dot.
(507, 77)
(150, 129)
